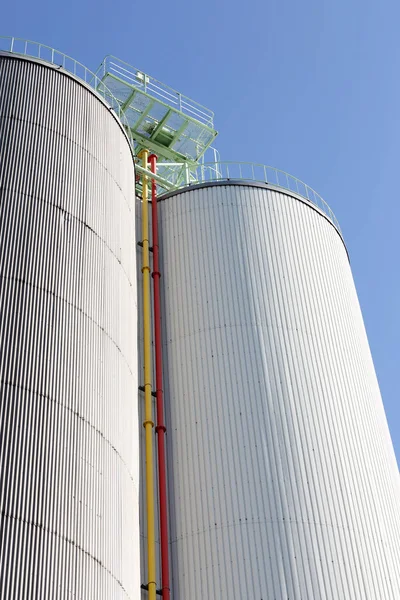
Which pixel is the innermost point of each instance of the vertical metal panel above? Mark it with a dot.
(283, 479)
(69, 436)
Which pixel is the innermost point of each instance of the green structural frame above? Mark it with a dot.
(160, 119)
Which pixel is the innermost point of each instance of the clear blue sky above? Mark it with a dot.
(311, 87)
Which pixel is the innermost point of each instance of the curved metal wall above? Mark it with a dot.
(68, 362)
(283, 479)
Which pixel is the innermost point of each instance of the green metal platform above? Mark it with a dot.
(160, 119)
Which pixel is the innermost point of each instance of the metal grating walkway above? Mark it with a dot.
(171, 125)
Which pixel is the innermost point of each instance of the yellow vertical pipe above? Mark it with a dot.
(148, 421)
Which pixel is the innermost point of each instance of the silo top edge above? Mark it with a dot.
(257, 184)
(81, 81)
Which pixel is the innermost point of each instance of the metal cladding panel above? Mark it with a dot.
(69, 463)
(283, 479)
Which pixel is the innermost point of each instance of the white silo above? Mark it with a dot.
(68, 360)
(283, 479)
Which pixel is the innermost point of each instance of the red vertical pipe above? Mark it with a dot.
(160, 426)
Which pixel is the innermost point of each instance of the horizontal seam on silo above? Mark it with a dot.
(248, 522)
(77, 220)
(76, 414)
(260, 324)
(65, 539)
(74, 143)
(77, 308)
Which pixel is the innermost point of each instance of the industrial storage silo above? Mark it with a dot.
(68, 359)
(283, 480)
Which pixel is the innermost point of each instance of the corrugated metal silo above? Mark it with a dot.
(68, 361)
(283, 479)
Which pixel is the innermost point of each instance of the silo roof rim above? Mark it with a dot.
(63, 71)
(258, 184)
